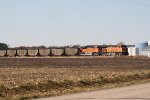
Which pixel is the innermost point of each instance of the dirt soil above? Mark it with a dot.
(15, 72)
(122, 62)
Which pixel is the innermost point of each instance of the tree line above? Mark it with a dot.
(3, 46)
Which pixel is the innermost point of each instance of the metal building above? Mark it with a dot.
(146, 51)
(148, 42)
(133, 51)
(141, 46)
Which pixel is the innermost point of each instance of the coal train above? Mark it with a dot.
(67, 51)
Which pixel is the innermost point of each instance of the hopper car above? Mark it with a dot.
(44, 52)
(32, 52)
(11, 53)
(21, 53)
(2, 53)
(69, 51)
(57, 52)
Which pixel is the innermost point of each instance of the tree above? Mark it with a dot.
(3, 46)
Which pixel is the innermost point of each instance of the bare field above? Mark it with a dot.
(121, 62)
(16, 72)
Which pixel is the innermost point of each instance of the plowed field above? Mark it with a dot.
(75, 62)
(16, 72)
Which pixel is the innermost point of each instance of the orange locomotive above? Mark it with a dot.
(115, 51)
(95, 51)
(105, 51)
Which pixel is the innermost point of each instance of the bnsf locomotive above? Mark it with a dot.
(105, 50)
(69, 51)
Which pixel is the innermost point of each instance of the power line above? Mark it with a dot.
(140, 2)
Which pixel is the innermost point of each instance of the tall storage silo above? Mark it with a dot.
(141, 46)
(148, 42)
(130, 51)
(146, 51)
(148, 55)
(133, 51)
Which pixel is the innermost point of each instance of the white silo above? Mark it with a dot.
(148, 42)
(133, 51)
(141, 46)
(149, 55)
(130, 51)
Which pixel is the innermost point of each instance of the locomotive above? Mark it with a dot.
(114, 50)
(67, 51)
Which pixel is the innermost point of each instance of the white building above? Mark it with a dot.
(146, 51)
(133, 51)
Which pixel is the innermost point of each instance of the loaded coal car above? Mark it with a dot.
(57, 51)
(2, 53)
(32, 52)
(44, 52)
(71, 51)
(21, 53)
(11, 53)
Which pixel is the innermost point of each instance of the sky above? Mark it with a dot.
(72, 22)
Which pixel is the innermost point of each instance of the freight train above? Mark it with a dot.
(68, 51)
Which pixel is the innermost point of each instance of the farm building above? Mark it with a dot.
(133, 51)
(141, 46)
(146, 51)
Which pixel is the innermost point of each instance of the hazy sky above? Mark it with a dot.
(68, 22)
